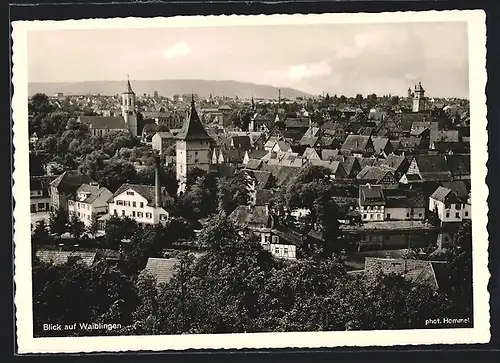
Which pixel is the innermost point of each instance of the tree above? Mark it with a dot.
(359, 99)
(40, 234)
(93, 227)
(168, 178)
(313, 191)
(144, 243)
(58, 222)
(76, 227)
(117, 229)
(460, 266)
(232, 192)
(115, 173)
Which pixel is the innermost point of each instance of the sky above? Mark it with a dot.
(322, 58)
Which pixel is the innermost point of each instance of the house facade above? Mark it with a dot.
(89, 203)
(448, 206)
(371, 203)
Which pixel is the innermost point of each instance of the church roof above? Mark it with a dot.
(193, 129)
(129, 88)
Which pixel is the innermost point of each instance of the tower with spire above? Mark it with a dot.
(193, 147)
(129, 111)
(418, 98)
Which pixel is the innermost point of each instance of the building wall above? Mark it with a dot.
(404, 214)
(136, 207)
(102, 132)
(283, 251)
(372, 213)
(191, 154)
(451, 212)
(85, 211)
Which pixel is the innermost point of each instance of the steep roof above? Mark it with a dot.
(458, 187)
(392, 162)
(380, 143)
(193, 129)
(356, 143)
(41, 182)
(163, 269)
(129, 88)
(256, 216)
(441, 194)
(371, 195)
(70, 181)
(432, 164)
(94, 193)
(373, 173)
(459, 164)
(104, 122)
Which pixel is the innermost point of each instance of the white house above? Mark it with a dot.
(143, 203)
(89, 203)
(162, 140)
(448, 206)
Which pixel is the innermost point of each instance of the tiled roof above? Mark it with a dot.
(459, 164)
(193, 129)
(41, 182)
(433, 273)
(372, 173)
(288, 235)
(458, 187)
(355, 143)
(397, 198)
(256, 216)
(371, 195)
(448, 135)
(253, 164)
(70, 181)
(432, 163)
(441, 194)
(146, 191)
(95, 193)
(61, 257)
(326, 154)
(163, 269)
(392, 162)
(104, 122)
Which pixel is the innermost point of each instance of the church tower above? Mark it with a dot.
(418, 98)
(193, 147)
(129, 111)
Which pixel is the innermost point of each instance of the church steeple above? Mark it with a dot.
(129, 112)
(193, 129)
(129, 87)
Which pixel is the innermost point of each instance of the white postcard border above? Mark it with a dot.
(479, 139)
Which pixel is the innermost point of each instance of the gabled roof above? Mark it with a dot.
(373, 174)
(443, 194)
(371, 195)
(70, 181)
(146, 191)
(253, 164)
(448, 135)
(356, 143)
(327, 154)
(61, 257)
(163, 269)
(193, 129)
(458, 187)
(256, 216)
(392, 162)
(288, 236)
(380, 143)
(261, 177)
(459, 164)
(431, 163)
(94, 193)
(41, 182)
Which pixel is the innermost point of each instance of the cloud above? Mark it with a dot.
(302, 71)
(180, 49)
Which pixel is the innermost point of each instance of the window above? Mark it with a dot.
(130, 193)
(78, 204)
(275, 239)
(196, 161)
(163, 217)
(285, 251)
(47, 206)
(407, 215)
(33, 208)
(466, 213)
(447, 214)
(133, 213)
(123, 212)
(457, 215)
(196, 152)
(133, 204)
(141, 204)
(388, 215)
(447, 206)
(277, 251)
(379, 216)
(446, 238)
(368, 208)
(119, 202)
(41, 206)
(267, 239)
(148, 215)
(139, 214)
(364, 216)
(126, 203)
(458, 206)
(420, 214)
(115, 212)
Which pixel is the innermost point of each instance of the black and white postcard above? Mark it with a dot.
(268, 181)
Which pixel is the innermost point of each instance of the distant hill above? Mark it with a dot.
(167, 88)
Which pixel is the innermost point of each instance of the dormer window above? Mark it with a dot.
(130, 193)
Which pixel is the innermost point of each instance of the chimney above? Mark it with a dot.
(157, 183)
